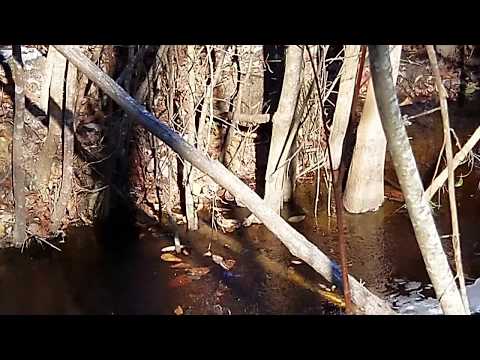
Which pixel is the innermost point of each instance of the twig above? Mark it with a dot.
(422, 114)
(451, 174)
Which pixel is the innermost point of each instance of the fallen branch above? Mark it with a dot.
(457, 160)
(295, 242)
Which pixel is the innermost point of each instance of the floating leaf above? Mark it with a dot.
(199, 271)
(181, 265)
(170, 248)
(170, 258)
(178, 310)
(296, 218)
(459, 183)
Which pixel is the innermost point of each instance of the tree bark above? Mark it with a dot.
(296, 243)
(18, 161)
(54, 136)
(365, 184)
(411, 184)
(283, 126)
(343, 107)
(68, 147)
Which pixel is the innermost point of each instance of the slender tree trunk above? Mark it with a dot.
(295, 242)
(191, 134)
(144, 87)
(365, 184)
(18, 161)
(411, 184)
(207, 107)
(343, 107)
(54, 136)
(68, 146)
(451, 174)
(283, 129)
(45, 94)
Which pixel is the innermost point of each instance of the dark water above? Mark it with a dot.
(89, 277)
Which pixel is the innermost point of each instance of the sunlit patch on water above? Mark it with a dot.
(415, 298)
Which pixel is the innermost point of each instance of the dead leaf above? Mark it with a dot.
(199, 271)
(170, 248)
(296, 218)
(181, 265)
(178, 310)
(170, 258)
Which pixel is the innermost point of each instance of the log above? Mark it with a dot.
(295, 242)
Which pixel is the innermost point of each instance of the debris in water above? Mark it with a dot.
(198, 271)
(230, 275)
(170, 248)
(181, 265)
(178, 310)
(412, 285)
(296, 218)
(170, 258)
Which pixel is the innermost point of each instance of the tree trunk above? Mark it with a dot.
(45, 94)
(68, 147)
(365, 184)
(296, 243)
(54, 136)
(283, 129)
(191, 134)
(343, 107)
(18, 161)
(411, 184)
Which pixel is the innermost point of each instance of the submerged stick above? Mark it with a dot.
(295, 242)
